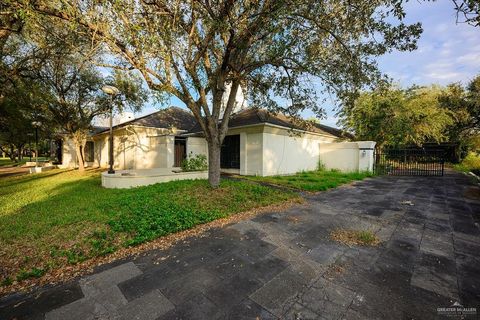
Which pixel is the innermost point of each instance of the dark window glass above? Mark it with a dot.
(230, 152)
(88, 151)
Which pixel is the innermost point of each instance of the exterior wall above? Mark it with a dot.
(285, 152)
(138, 148)
(69, 155)
(348, 156)
(196, 145)
(252, 154)
(134, 148)
(264, 150)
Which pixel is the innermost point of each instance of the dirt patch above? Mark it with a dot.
(355, 237)
(335, 270)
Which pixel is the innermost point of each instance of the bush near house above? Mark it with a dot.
(195, 163)
(58, 218)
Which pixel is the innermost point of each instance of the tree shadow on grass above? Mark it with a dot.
(24, 179)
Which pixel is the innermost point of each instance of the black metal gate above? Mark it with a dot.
(410, 162)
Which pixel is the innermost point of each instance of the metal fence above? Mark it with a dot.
(410, 162)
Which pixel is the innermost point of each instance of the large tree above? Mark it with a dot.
(396, 117)
(75, 86)
(464, 106)
(21, 94)
(19, 108)
(281, 52)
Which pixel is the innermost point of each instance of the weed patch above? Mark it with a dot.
(355, 237)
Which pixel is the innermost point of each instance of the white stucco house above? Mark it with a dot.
(257, 143)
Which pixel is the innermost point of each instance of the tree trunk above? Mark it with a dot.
(214, 163)
(80, 139)
(12, 153)
(81, 165)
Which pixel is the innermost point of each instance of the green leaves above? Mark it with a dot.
(392, 116)
(196, 162)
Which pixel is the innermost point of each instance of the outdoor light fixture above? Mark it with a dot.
(112, 92)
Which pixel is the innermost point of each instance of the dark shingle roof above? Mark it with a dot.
(166, 118)
(254, 116)
(184, 120)
(97, 129)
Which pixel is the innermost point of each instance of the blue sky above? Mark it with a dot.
(447, 52)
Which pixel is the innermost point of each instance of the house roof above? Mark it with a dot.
(184, 120)
(166, 118)
(253, 116)
(98, 129)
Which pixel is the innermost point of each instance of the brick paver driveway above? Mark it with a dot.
(284, 265)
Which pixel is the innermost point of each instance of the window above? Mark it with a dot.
(88, 151)
(230, 152)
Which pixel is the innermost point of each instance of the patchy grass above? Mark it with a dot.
(62, 217)
(320, 180)
(355, 237)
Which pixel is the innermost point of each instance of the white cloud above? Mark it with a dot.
(447, 52)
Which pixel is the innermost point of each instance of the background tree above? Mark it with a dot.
(395, 117)
(281, 52)
(21, 106)
(464, 106)
(75, 86)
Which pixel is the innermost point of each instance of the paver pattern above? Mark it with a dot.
(284, 265)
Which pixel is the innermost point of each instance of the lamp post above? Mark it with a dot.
(112, 92)
(36, 124)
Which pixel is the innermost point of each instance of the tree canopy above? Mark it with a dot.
(393, 116)
(463, 103)
(48, 70)
(400, 117)
(280, 52)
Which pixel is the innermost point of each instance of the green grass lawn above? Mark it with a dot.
(63, 217)
(314, 180)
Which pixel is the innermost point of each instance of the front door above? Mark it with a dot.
(230, 152)
(180, 151)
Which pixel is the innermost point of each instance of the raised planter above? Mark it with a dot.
(41, 163)
(41, 169)
(124, 179)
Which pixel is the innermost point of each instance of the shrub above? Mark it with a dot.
(470, 163)
(196, 162)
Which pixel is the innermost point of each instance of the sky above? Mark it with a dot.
(447, 52)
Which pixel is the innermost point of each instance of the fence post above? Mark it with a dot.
(366, 156)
